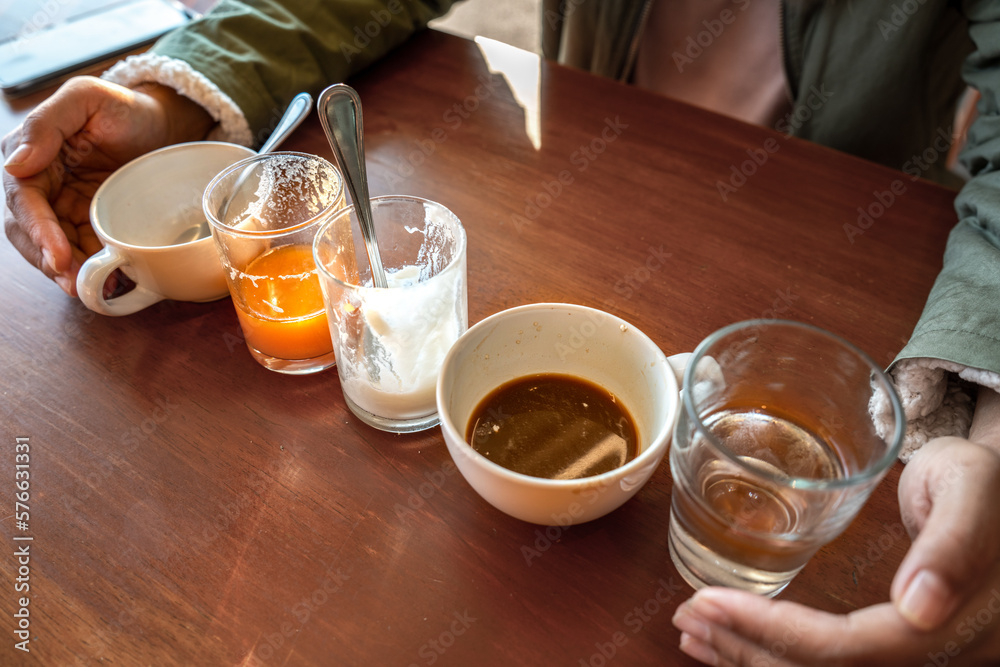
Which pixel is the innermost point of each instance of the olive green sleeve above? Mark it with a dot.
(262, 52)
(961, 320)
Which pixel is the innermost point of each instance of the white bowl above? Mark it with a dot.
(571, 340)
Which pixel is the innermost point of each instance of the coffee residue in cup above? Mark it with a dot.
(553, 426)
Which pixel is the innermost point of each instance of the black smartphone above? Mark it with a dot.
(43, 41)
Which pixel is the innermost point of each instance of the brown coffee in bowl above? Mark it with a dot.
(553, 426)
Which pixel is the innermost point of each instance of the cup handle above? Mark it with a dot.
(678, 363)
(90, 286)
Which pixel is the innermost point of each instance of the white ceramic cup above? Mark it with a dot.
(139, 212)
(571, 340)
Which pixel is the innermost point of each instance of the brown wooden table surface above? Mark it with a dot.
(188, 506)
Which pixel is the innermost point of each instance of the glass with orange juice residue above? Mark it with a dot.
(264, 212)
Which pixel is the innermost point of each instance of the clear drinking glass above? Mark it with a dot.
(391, 342)
(774, 452)
(264, 213)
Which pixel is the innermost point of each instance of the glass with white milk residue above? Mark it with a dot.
(390, 342)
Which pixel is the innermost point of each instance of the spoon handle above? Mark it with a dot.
(340, 113)
(296, 112)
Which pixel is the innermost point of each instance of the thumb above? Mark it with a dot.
(37, 142)
(948, 493)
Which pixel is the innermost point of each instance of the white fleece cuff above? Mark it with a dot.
(177, 74)
(935, 402)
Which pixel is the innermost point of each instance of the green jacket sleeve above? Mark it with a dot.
(961, 320)
(261, 53)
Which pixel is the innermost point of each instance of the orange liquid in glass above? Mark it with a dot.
(282, 314)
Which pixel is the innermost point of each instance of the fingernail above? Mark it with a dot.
(687, 621)
(927, 601)
(48, 261)
(66, 284)
(20, 156)
(699, 650)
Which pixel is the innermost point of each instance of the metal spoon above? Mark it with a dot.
(297, 110)
(340, 114)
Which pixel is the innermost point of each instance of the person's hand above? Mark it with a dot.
(66, 147)
(945, 607)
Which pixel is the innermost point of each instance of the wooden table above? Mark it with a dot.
(189, 507)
